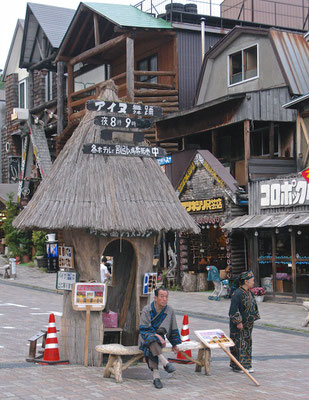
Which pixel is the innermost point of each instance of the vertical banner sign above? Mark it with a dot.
(150, 282)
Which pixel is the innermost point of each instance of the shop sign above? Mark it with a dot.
(123, 150)
(165, 160)
(150, 282)
(208, 205)
(89, 294)
(66, 280)
(124, 108)
(185, 179)
(65, 255)
(283, 193)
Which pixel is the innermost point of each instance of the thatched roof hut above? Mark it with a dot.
(104, 193)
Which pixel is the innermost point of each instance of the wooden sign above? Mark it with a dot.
(212, 338)
(124, 108)
(66, 280)
(135, 137)
(89, 295)
(66, 257)
(122, 123)
(123, 150)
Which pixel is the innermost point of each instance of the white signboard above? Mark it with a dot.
(283, 193)
(65, 280)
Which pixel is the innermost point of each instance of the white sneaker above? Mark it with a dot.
(251, 370)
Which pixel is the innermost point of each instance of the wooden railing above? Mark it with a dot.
(164, 95)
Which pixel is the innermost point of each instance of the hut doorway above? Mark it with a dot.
(121, 294)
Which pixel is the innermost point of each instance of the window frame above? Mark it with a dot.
(147, 79)
(242, 50)
(25, 96)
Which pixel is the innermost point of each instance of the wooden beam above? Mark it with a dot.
(271, 139)
(98, 49)
(154, 73)
(305, 130)
(247, 148)
(213, 142)
(300, 163)
(70, 87)
(130, 69)
(60, 97)
(96, 29)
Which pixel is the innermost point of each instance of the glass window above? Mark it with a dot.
(22, 93)
(49, 86)
(148, 64)
(243, 65)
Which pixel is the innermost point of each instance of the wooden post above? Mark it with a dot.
(70, 88)
(130, 69)
(271, 139)
(299, 161)
(30, 92)
(293, 259)
(213, 143)
(247, 149)
(273, 261)
(207, 361)
(238, 363)
(88, 308)
(60, 97)
(96, 30)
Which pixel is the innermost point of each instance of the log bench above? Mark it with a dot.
(115, 365)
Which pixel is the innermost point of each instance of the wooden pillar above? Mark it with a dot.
(271, 139)
(60, 97)
(293, 259)
(30, 91)
(70, 88)
(255, 262)
(130, 69)
(247, 148)
(273, 261)
(96, 30)
(299, 155)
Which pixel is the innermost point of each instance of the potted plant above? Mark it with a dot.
(38, 239)
(258, 293)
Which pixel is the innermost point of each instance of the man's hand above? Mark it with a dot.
(240, 326)
(163, 342)
(175, 349)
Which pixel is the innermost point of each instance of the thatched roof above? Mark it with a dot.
(104, 193)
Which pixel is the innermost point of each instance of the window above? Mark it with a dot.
(49, 86)
(243, 65)
(22, 94)
(148, 64)
(260, 142)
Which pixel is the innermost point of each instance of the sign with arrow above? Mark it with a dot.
(124, 108)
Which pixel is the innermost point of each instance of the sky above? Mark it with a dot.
(12, 10)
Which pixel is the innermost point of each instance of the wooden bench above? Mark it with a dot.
(33, 343)
(115, 365)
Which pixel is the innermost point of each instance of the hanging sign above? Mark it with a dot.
(124, 108)
(123, 150)
(65, 255)
(66, 280)
(91, 295)
(196, 206)
(125, 123)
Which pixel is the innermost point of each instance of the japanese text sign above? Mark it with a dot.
(124, 108)
(122, 123)
(204, 205)
(66, 280)
(123, 150)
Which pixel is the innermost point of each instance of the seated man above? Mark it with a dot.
(157, 320)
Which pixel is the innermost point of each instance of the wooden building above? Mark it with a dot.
(244, 81)
(277, 229)
(111, 205)
(212, 197)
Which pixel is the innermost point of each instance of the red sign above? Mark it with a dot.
(305, 174)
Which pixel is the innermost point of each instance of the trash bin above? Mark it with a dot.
(13, 267)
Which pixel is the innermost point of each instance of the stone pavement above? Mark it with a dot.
(273, 314)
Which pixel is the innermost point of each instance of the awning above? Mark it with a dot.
(268, 221)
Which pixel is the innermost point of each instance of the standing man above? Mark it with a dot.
(243, 312)
(104, 270)
(157, 321)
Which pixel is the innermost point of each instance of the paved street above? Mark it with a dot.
(281, 357)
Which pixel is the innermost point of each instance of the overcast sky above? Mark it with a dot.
(12, 10)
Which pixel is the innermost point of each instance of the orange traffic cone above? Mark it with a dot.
(51, 353)
(184, 336)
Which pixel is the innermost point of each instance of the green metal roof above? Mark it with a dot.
(123, 15)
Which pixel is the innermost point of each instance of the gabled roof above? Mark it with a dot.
(291, 49)
(19, 24)
(53, 21)
(128, 16)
